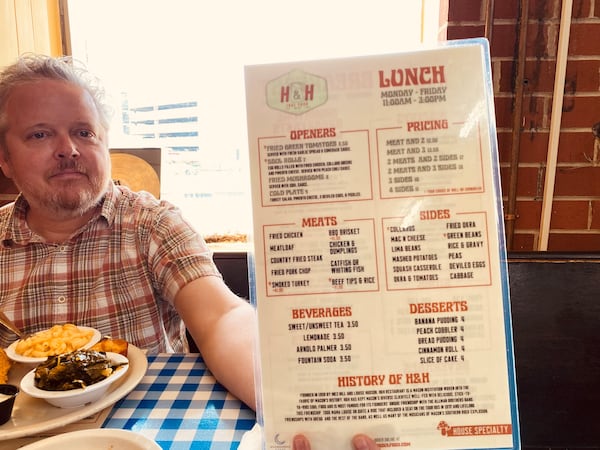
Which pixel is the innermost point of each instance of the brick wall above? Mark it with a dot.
(575, 211)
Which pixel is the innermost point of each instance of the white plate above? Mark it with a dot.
(100, 439)
(10, 351)
(75, 398)
(33, 415)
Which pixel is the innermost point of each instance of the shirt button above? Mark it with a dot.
(63, 248)
(61, 299)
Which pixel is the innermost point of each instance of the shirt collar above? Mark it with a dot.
(14, 224)
(109, 203)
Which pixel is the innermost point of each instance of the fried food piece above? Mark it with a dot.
(111, 345)
(5, 365)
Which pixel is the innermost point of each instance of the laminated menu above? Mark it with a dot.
(379, 262)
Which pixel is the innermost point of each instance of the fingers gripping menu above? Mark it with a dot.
(379, 281)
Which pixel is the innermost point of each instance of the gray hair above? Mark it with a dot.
(30, 67)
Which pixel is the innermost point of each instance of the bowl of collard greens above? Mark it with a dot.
(74, 379)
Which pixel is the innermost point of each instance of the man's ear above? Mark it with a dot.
(4, 166)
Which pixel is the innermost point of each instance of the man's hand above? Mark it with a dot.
(359, 442)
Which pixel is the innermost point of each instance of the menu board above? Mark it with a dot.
(379, 262)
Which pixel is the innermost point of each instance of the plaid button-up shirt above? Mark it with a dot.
(119, 273)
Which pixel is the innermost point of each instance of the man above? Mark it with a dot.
(75, 248)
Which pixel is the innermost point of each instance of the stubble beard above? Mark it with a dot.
(70, 199)
(74, 201)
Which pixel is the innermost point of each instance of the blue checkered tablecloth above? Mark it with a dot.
(179, 404)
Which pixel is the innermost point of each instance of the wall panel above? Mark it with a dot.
(8, 32)
(28, 26)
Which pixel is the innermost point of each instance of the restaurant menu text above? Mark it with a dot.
(379, 263)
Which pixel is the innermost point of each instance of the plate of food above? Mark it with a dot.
(101, 439)
(54, 341)
(34, 416)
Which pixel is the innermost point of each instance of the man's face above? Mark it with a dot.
(56, 150)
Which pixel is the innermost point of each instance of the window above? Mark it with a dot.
(174, 70)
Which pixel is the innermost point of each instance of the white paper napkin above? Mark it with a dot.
(252, 440)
